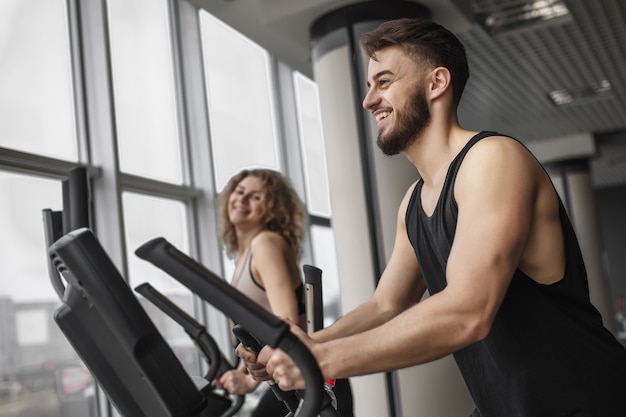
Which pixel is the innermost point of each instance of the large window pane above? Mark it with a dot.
(36, 103)
(39, 372)
(143, 81)
(146, 218)
(22, 247)
(312, 140)
(241, 111)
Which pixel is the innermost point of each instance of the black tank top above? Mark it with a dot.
(547, 353)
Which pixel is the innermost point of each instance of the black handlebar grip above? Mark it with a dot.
(268, 328)
(247, 339)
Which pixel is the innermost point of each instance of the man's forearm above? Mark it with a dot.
(365, 317)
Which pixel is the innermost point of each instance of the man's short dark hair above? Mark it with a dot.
(424, 41)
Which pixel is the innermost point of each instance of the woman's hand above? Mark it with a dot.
(237, 382)
(249, 358)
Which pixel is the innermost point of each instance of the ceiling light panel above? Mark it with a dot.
(518, 16)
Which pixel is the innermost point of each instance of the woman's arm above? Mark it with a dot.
(274, 267)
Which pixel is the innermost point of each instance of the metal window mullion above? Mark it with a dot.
(33, 164)
(142, 185)
(78, 93)
(95, 127)
(92, 62)
(289, 141)
(194, 122)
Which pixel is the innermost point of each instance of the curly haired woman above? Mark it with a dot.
(262, 223)
(262, 228)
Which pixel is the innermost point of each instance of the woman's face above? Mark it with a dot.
(246, 204)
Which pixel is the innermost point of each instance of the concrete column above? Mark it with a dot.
(366, 188)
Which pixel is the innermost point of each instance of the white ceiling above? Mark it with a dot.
(511, 74)
(282, 26)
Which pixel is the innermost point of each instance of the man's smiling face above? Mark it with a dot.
(396, 97)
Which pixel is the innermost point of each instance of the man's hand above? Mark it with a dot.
(282, 369)
(276, 364)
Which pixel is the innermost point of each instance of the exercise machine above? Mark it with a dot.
(268, 329)
(126, 352)
(111, 332)
(118, 342)
(203, 341)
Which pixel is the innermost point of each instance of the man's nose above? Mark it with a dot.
(370, 99)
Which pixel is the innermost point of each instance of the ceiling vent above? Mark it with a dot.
(524, 15)
(562, 97)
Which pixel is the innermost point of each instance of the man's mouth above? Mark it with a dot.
(383, 114)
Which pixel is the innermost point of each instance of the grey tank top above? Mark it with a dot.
(244, 282)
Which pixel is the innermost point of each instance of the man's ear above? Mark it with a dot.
(440, 82)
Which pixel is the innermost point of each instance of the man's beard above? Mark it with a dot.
(408, 125)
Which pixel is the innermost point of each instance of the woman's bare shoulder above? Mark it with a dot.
(268, 238)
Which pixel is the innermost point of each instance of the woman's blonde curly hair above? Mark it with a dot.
(284, 210)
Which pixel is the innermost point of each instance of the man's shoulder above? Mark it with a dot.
(496, 147)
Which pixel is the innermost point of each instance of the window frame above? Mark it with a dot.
(96, 138)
